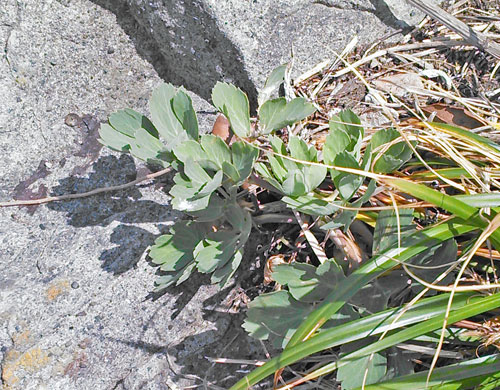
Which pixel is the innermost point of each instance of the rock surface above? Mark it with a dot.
(75, 305)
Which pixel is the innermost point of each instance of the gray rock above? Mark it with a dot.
(75, 305)
(204, 41)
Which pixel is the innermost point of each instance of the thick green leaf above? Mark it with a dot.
(239, 219)
(231, 171)
(243, 157)
(295, 179)
(214, 210)
(392, 158)
(351, 375)
(163, 116)
(214, 252)
(306, 282)
(294, 184)
(335, 143)
(314, 175)
(190, 149)
(128, 121)
(300, 150)
(279, 147)
(442, 255)
(274, 80)
(148, 148)
(222, 275)
(346, 217)
(374, 296)
(347, 183)
(264, 172)
(349, 123)
(277, 315)
(114, 139)
(195, 172)
(183, 198)
(184, 111)
(121, 131)
(278, 113)
(233, 103)
(279, 171)
(178, 277)
(212, 185)
(216, 149)
(174, 252)
(399, 362)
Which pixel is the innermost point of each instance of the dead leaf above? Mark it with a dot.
(399, 84)
(222, 128)
(456, 116)
(272, 262)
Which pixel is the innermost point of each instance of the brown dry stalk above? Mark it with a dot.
(49, 199)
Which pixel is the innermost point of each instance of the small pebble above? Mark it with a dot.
(72, 120)
(111, 50)
(75, 285)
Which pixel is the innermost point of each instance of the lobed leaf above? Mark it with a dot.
(274, 80)
(114, 139)
(278, 113)
(164, 118)
(233, 103)
(243, 157)
(392, 158)
(185, 114)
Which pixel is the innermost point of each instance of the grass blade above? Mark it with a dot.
(483, 372)
(411, 246)
(429, 312)
(475, 307)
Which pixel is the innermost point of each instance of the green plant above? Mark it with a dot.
(319, 303)
(209, 174)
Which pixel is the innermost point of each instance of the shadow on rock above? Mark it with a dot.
(124, 206)
(183, 43)
(183, 293)
(194, 352)
(191, 354)
(132, 241)
(100, 210)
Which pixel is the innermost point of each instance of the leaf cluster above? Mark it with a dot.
(318, 305)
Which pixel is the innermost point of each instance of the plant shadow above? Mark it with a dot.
(126, 207)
